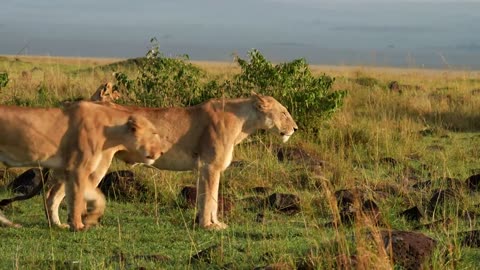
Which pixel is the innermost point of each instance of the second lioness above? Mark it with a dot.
(202, 138)
(79, 140)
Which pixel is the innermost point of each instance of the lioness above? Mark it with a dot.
(202, 138)
(105, 93)
(79, 140)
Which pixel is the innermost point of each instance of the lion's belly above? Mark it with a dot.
(179, 161)
(12, 160)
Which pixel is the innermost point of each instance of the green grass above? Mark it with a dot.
(432, 132)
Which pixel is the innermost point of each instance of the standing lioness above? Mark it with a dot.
(80, 140)
(202, 138)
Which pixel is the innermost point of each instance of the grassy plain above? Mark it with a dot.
(430, 129)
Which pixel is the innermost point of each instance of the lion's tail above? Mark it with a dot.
(33, 192)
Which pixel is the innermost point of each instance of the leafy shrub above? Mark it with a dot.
(3, 79)
(309, 98)
(163, 81)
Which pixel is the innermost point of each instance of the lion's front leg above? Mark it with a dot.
(75, 195)
(207, 198)
(96, 202)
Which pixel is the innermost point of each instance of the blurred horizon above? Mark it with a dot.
(415, 33)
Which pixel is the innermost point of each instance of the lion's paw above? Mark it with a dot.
(216, 226)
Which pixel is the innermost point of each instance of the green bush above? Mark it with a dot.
(163, 81)
(309, 98)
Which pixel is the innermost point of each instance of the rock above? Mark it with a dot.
(412, 214)
(298, 155)
(395, 86)
(153, 258)
(440, 197)
(389, 161)
(473, 182)
(422, 185)
(208, 255)
(276, 266)
(372, 211)
(261, 190)
(444, 223)
(348, 202)
(411, 250)
(470, 238)
(286, 203)
(238, 164)
(123, 186)
(344, 261)
(26, 182)
(188, 195)
(475, 91)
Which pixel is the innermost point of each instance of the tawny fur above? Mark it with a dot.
(80, 141)
(106, 93)
(202, 139)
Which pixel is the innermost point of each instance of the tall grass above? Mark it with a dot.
(430, 130)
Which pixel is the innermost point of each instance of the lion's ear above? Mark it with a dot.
(106, 90)
(261, 103)
(133, 124)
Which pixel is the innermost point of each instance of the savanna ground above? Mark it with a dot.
(380, 138)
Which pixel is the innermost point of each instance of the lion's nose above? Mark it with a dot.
(295, 128)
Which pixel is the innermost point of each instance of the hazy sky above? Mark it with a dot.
(386, 32)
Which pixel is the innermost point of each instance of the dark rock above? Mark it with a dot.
(286, 203)
(440, 197)
(468, 215)
(435, 147)
(411, 250)
(208, 255)
(348, 202)
(260, 218)
(412, 214)
(470, 238)
(427, 131)
(372, 211)
(439, 223)
(188, 196)
(261, 190)
(423, 184)
(473, 182)
(153, 257)
(275, 266)
(298, 155)
(123, 186)
(344, 261)
(394, 86)
(475, 91)
(238, 164)
(389, 161)
(26, 182)
(352, 203)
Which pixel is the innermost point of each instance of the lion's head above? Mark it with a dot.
(146, 145)
(106, 93)
(274, 116)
